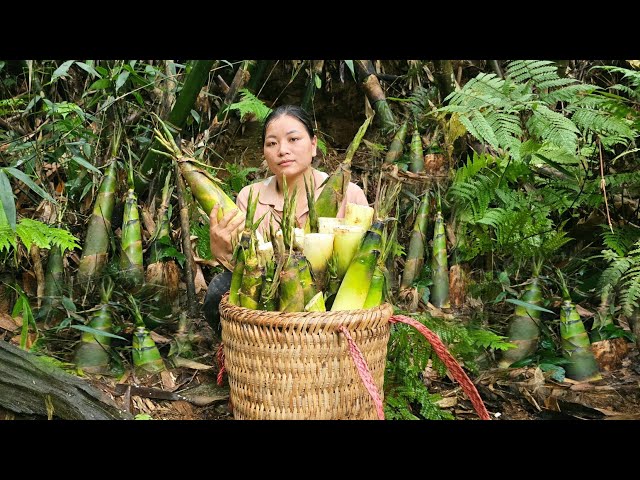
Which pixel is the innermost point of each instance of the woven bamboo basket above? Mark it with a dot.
(297, 366)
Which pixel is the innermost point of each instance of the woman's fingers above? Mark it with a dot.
(236, 223)
(213, 215)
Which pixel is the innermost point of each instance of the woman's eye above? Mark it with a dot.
(294, 139)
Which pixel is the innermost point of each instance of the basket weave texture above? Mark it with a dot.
(297, 366)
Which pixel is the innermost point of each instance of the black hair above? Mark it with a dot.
(293, 110)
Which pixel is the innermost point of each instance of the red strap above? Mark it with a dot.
(453, 366)
(220, 358)
(363, 370)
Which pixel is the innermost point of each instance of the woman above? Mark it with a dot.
(289, 146)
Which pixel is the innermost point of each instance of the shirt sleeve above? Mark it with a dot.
(356, 195)
(243, 199)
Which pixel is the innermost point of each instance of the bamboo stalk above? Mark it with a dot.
(193, 83)
(416, 252)
(131, 261)
(376, 289)
(375, 94)
(439, 266)
(524, 329)
(186, 243)
(335, 186)
(397, 144)
(96, 245)
(576, 346)
(145, 353)
(53, 286)
(416, 155)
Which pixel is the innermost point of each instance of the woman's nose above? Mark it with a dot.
(284, 149)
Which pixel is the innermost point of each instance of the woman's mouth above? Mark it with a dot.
(286, 163)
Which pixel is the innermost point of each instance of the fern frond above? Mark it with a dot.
(32, 232)
(603, 122)
(487, 89)
(633, 76)
(633, 94)
(7, 237)
(249, 104)
(622, 238)
(507, 131)
(474, 164)
(553, 127)
(474, 194)
(618, 265)
(538, 71)
(569, 93)
(477, 125)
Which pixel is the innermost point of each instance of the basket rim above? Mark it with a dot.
(352, 319)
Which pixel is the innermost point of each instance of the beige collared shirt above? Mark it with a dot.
(271, 202)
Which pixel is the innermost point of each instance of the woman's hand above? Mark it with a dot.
(223, 232)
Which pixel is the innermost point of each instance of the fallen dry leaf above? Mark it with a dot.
(583, 312)
(8, 323)
(185, 362)
(199, 281)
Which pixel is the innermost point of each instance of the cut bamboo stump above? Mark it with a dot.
(29, 386)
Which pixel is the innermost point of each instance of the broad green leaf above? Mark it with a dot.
(100, 84)
(95, 331)
(318, 81)
(558, 372)
(195, 115)
(30, 183)
(81, 161)
(349, 64)
(61, 71)
(528, 305)
(7, 200)
(138, 98)
(68, 304)
(122, 78)
(89, 69)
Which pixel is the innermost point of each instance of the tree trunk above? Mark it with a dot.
(29, 386)
(443, 72)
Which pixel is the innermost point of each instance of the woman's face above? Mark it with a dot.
(288, 149)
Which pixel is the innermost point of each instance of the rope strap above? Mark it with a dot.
(363, 371)
(454, 367)
(220, 358)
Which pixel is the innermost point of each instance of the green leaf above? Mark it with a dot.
(143, 416)
(195, 115)
(68, 304)
(349, 64)
(7, 200)
(81, 161)
(558, 372)
(61, 71)
(100, 84)
(138, 98)
(30, 183)
(89, 69)
(528, 305)
(122, 78)
(95, 331)
(318, 81)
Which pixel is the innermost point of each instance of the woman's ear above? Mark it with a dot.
(314, 146)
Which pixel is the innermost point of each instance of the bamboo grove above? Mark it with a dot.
(504, 207)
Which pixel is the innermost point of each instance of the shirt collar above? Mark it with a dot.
(269, 194)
